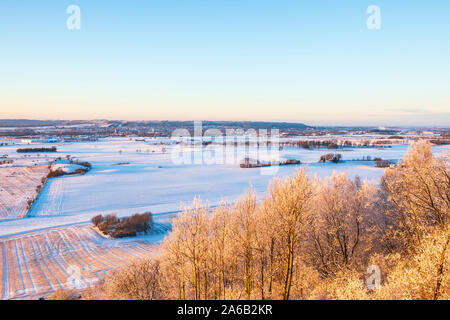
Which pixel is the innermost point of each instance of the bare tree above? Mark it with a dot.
(289, 203)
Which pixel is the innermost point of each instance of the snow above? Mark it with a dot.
(44, 261)
(17, 186)
(38, 251)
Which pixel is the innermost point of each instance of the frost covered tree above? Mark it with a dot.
(342, 219)
(189, 239)
(244, 235)
(289, 203)
(419, 189)
(220, 253)
(139, 281)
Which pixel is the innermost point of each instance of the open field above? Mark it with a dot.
(36, 264)
(17, 186)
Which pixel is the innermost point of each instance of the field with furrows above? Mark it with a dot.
(35, 264)
(17, 186)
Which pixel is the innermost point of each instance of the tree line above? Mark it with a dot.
(124, 227)
(29, 150)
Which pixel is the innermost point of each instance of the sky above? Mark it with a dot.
(314, 62)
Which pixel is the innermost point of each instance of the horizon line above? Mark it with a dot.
(237, 121)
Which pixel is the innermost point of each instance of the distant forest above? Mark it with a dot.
(22, 123)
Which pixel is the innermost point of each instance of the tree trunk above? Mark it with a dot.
(289, 267)
(441, 269)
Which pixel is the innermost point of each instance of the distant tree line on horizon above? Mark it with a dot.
(33, 150)
(305, 144)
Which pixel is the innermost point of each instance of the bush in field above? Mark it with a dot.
(143, 222)
(97, 220)
(60, 171)
(124, 227)
(380, 163)
(56, 173)
(333, 157)
(79, 171)
(80, 163)
(108, 224)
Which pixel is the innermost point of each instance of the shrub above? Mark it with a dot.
(108, 224)
(79, 171)
(97, 220)
(380, 163)
(124, 227)
(84, 164)
(139, 280)
(65, 295)
(29, 150)
(333, 157)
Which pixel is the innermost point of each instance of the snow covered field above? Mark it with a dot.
(127, 177)
(17, 186)
(130, 176)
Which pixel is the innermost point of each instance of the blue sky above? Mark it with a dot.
(306, 61)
